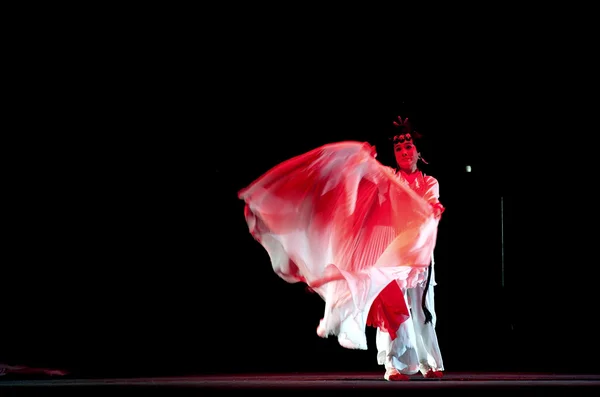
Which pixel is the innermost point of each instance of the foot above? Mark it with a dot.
(431, 374)
(321, 329)
(392, 374)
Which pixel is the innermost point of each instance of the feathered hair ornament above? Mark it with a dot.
(405, 132)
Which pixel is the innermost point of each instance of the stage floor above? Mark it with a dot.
(519, 383)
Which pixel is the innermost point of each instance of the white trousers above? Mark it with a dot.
(416, 345)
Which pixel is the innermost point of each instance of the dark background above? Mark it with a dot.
(126, 250)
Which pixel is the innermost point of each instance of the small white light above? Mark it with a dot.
(468, 168)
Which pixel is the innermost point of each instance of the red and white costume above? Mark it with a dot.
(338, 220)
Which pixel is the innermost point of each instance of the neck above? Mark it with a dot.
(410, 171)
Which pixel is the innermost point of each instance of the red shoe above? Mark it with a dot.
(391, 374)
(431, 374)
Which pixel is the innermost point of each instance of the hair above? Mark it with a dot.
(402, 130)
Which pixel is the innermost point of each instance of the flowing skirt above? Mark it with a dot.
(338, 220)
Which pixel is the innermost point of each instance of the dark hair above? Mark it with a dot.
(402, 130)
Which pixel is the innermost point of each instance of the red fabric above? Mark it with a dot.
(344, 224)
(389, 310)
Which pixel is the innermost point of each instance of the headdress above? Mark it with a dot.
(403, 131)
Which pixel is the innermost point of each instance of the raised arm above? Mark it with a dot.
(432, 195)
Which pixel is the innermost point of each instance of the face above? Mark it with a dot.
(406, 155)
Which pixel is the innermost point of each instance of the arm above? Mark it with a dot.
(432, 195)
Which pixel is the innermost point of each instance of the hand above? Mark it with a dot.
(438, 209)
(371, 149)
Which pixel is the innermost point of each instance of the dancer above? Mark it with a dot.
(413, 347)
(354, 231)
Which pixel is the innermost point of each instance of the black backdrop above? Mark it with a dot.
(127, 253)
